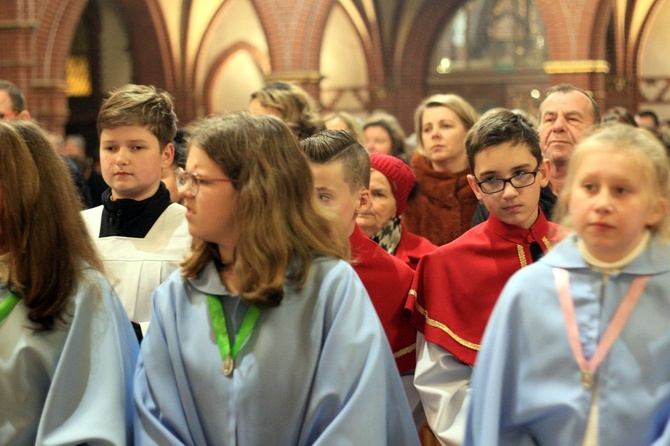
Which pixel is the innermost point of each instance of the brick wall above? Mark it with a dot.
(37, 34)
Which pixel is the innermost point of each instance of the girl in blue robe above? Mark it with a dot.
(67, 349)
(266, 335)
(577, 348)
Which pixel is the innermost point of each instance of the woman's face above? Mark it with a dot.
(378, 140)
(383, 207)
(443, 138)
(212, 212)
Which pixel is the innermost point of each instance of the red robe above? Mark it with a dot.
(412, 247)
(456, 286)
(387, 281)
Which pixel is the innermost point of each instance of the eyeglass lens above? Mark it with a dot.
(518, 181)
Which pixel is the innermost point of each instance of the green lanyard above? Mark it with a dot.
(7, 305)
(219, 323)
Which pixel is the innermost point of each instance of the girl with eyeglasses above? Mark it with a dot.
(266, 335)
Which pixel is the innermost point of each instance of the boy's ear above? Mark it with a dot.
(363, 200)
(167, 155)
(545, 172)
(472, 181)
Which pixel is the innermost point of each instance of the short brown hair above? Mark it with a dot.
(340, 146)
(142, 105)
(498, 128)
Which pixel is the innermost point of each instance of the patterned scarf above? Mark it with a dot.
(389, 235)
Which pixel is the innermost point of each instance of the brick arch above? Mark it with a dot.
(293, 27)
(199, 98)
(372, 47)
(369, 39)
(629, 43)
(55, 28)
(427, 28)
(294, 32)
(260, 57)
(574, 44)
(559, 16)
(153, 61)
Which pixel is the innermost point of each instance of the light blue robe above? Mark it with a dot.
(315, 370)
(526, 386)
(73, 384)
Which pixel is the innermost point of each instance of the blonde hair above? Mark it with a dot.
(295, 105)
(42, 227)
(349, 119)
(465, 112)
(643, 147)
(281, 224)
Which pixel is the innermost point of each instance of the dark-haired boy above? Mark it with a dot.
(141, 235)
(456, 286)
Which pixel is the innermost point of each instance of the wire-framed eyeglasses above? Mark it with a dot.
(191, 181)
(519, 181)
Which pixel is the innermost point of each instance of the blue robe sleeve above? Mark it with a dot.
(160, 417)
(357, 395)
(317, 369)
(495, 379)
(90, 395)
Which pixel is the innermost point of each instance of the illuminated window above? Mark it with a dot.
(503, 36)
(78, 69)
(78, 77)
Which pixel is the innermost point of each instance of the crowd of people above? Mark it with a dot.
(272, 276)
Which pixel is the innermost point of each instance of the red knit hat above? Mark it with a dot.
(399, 175)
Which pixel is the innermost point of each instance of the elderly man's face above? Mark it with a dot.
(563, 120)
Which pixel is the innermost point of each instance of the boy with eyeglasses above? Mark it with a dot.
(141, 235)
(456, 286)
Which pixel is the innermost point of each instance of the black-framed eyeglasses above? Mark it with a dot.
(191, 181)
(519, 181)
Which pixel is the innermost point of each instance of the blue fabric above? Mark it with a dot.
(73, 384)
(316, 370)
(526, 386)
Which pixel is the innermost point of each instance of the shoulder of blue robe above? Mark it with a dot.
(526, 337)
(315, 370)
(78, 376)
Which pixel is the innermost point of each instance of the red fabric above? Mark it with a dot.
(387, 281)
(443, 207)
(459, 283)
(412, 247)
